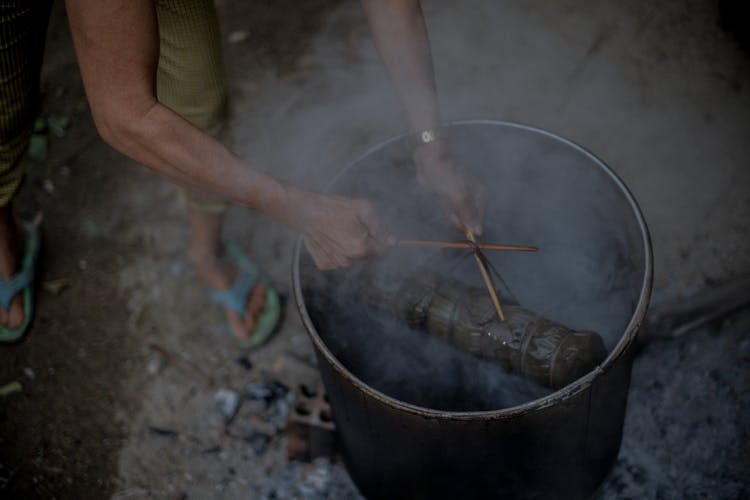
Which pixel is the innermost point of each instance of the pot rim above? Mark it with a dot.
(569, 391)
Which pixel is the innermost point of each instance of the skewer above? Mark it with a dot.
(466, 244)
(485, 275)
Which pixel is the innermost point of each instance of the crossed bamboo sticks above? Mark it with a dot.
(471, 243)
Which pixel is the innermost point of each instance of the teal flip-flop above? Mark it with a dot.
(235, 298)
(21, 282)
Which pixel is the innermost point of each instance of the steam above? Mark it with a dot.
(587, 275)
(338, 102)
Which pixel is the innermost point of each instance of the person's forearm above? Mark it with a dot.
(118, 64)
(401, 38)
(166, 143)
(117, 43)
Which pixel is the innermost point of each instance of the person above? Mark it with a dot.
(154, 80)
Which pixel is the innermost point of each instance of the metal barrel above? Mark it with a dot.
(560, 445)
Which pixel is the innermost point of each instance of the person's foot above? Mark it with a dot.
(220, 274)
(10, 248)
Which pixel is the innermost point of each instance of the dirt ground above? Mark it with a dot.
(658, 90)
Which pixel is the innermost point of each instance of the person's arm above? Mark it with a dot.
(399, 32)
(400, 35)
(117, 44)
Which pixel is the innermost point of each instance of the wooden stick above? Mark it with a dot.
(466, 244)
(185, 366)
(486, 276)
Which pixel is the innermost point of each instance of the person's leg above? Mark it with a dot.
(23, 27)
(191, 82)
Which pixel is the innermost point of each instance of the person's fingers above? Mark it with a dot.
(379, 238)
(320, 257)
(373, 236)
(324, 259)
(349, 229)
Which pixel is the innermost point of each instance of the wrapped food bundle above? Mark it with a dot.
(525, 343)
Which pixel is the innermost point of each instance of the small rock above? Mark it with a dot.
(278, 413)
(266, 390)
(322, 473)
(56, 286)
(82, 264)
(258, 442)
(154, 366)
(29, 373)
(48, 186)
(238, 36)
(227, 401)
(58, 124)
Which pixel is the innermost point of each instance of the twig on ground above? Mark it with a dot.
(185, 366)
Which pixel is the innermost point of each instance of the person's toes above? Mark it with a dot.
(237, 325)
(15, 315)
(255, 304)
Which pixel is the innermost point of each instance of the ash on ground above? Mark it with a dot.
(687, 426)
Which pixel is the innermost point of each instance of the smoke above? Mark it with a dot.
(407, 364)
(586, 276)
(338, 101)
(306, 123)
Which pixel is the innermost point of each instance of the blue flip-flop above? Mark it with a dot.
(21, 282)
(235, 298)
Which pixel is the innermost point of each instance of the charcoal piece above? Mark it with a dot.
(266, 391)
(258, 442)
(245, 363)
(278, 412)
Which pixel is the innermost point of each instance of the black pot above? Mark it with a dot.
(593, 272)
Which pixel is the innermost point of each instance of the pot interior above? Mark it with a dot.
(589, 274)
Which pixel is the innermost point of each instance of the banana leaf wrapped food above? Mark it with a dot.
(525, 343)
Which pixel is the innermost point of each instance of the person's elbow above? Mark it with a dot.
(122, 124)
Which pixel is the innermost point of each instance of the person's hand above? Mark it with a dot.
(464, 197)
(338, 230)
